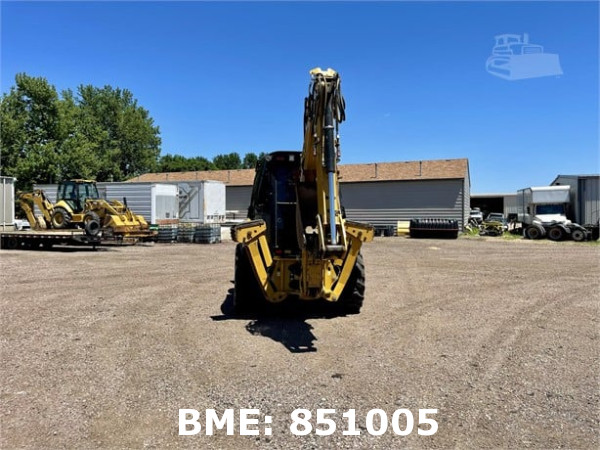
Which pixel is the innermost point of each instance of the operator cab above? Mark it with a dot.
(274, 197)
(75, 193)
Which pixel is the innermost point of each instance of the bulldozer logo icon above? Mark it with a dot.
(514, 58)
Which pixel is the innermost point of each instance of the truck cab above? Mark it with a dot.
(542, 212)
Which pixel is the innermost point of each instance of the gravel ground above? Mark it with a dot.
(101, 348)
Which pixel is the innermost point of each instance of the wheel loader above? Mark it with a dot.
(297, 242)
(79, 206)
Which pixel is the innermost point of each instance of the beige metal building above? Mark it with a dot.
(377, 193)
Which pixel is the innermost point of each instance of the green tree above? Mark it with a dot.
(230, 161)
(200, 163)
(250, 160)
(178, 163)
(30, 132)
(126, 139)
(99, 133)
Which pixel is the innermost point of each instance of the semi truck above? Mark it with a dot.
(542, 213)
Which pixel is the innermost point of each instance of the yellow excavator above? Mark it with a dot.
(79, 206)
(298, 242)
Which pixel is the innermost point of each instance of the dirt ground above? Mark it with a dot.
(100, 349)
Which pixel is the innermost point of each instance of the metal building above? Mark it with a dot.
(384, 193)
(7, 200)
(585, 197)
(377, 193)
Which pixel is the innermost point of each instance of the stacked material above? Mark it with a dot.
(207, 233)
(167, 233)
(186, 232)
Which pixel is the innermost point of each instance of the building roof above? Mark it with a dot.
(349, 173)
(574, 177)
(494, 195)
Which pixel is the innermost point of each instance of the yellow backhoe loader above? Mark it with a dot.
(298, 242)
(79, 206)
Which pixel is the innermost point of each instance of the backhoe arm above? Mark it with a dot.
(323, 112)
(37, 197)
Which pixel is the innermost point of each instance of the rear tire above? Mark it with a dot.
(534, 232)
(247, 293)
(578, 235)
(556, 234)
(61, 218)
(353, 295)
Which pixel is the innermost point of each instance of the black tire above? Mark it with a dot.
(247, 293)
(61, 218)
(353, 295)
(578, 235)
(556, 234)
(91, 223)
(534, 232)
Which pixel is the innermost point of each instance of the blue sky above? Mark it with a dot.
(224, 77)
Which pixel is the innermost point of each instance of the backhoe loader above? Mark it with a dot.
(79, 206)
(298, 242)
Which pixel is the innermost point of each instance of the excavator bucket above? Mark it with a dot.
(122, 227)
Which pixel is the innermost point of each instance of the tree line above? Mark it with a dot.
(93, 133)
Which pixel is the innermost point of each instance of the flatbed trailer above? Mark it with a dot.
(45, 239)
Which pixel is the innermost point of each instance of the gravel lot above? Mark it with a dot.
(101, 348)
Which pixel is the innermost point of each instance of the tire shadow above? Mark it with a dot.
(284, 323)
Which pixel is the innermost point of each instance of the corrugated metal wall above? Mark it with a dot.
(589, 200)
(510, 204)
(585, 197)
(385, 203)
(466, 206)
(7, 200)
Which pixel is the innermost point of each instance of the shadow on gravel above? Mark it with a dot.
(284, 323)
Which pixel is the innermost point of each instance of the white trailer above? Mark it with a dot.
(202, 201)
(542, 211)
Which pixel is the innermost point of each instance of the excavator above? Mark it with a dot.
(297, 242)
(79, 206)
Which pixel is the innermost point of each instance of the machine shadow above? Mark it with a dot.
(285, 323)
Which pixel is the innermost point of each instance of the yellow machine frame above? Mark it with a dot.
(325, 271)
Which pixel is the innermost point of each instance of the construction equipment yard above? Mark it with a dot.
(102, 348)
